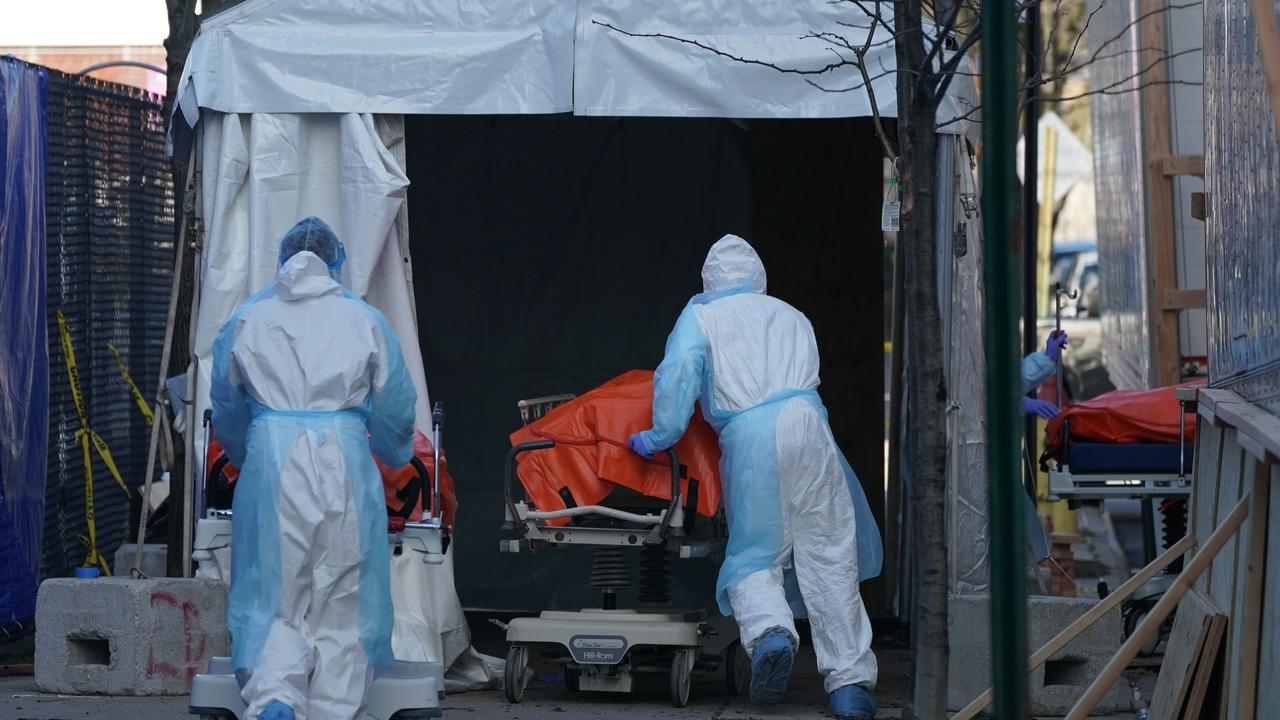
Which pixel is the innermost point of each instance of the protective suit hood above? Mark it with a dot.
(732, 264)
(305, 275)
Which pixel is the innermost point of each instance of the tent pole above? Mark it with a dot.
(1031, 207)
(189, 472)
(158, 407)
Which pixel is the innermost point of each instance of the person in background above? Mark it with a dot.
(1038, 367)
(795, 508)
(307, 379)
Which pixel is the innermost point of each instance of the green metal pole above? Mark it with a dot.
(1001, 305)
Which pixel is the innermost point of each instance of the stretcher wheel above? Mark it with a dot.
(681, 678)
(737, 669)
(517, 673)
(572, 678)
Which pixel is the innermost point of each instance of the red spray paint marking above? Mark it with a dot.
(194, 645)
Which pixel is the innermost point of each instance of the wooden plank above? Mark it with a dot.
(1204, 488)
(1262, 429)
(1191, 626)
(1101, 685)
(1213, 397)
(1183, 299)
(1223, 580)
(1198, 704)
(1248, 591)
(1222, 589)
(1166, 352)
(1092, 615)
(1174, 165)
(1264, 21)
(1269, 653)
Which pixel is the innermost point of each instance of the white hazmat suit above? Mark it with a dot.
(793, 502)
(307, 379)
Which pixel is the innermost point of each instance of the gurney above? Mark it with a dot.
(1129, 444)
(1125, 443)
(583, 486)
(420, 506)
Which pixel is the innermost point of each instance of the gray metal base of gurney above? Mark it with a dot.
(605, 649)
(408, 691)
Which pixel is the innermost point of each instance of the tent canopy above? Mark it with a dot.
(589, 57)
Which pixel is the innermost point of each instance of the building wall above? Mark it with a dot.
(1242, 177)
(74, 59)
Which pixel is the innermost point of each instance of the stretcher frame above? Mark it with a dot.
(608, 647)
(1065, 485)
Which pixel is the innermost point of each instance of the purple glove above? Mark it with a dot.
(639, 446)
(1057, 341)
(1042, 408)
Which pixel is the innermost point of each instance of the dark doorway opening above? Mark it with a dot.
(554, 252)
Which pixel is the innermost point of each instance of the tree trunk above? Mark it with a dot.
(183, 23)
(926, 386)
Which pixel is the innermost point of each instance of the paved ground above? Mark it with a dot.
(546, 699)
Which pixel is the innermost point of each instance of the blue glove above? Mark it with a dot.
(1057, 341)
(639, 446)
(1042, 408)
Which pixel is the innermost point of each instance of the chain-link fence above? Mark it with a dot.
(110, 215)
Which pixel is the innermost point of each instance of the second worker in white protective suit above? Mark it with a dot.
(307, 379)
(793, 502)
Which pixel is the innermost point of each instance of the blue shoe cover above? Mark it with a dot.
(771, 662)
(853, 701)
(276, 710)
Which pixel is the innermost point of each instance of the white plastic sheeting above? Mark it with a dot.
(383, 56)
(1119, 166)
(666, 73)
(1242, 154)
(960, 273)
(260, 174)
(543, 56)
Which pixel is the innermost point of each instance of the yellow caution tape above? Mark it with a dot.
(86, 436)
(133, 387)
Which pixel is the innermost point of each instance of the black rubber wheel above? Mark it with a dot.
(737, 669)
(516, 673)
(572, 676)
(681, 679)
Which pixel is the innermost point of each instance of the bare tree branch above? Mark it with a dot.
(1138, 20)
(728, 56)
(1110, 90)
(1088, 93)
(889, 150)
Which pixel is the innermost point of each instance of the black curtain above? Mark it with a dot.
(552, 253)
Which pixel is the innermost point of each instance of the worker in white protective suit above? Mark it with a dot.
(307, 379)
(794, 505)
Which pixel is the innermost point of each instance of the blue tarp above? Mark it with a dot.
(24, 348)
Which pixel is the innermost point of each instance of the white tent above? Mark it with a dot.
(295, 107)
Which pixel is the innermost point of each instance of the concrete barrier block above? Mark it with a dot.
(119, 636)
(154, 560)
(1054, 686)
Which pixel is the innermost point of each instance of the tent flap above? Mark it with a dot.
(384, 56)
(681, 58)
